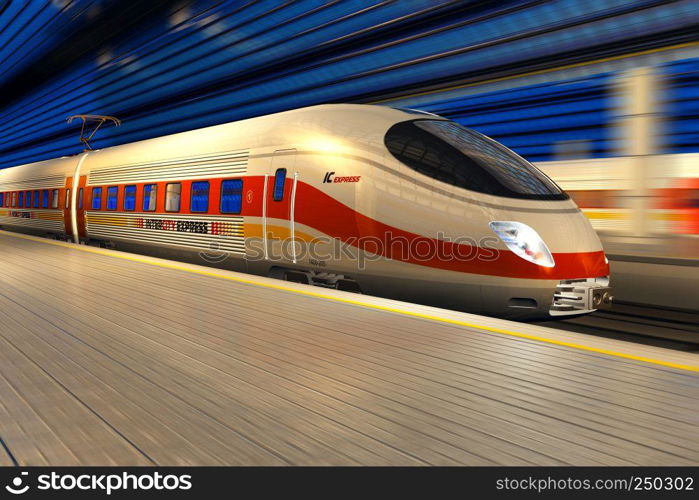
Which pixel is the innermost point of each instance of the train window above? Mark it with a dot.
(80, 199)
(96, 198)
(172, 197)
(28, 199)
(37, 196)
(20, 199)
(231, 196)
(2, 199)
(112, 196)
(150, 195)
(67, 198)
(199, 201)
(279, 179)
(14, 198)
(45, 198)
(129, 197)
(54, 198)
(455, 155)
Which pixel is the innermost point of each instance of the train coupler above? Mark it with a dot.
(580, 297)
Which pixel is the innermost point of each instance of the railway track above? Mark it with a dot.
(656, 326)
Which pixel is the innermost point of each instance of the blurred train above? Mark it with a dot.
(648, 197)
(384, 201)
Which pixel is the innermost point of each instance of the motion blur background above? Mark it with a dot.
(601, 94)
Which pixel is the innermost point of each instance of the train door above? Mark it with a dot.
(74, 205)
(280, 197)
(78, 209)
(65, 207)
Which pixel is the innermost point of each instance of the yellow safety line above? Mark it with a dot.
(539, 72)
(173, 265)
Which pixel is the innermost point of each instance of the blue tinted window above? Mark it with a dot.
(279, 178)
(112, 194)
(150, 195)
(20, 199)
(28, 199)
(200, 196)
(80, 198)
(2, 199)
(37, 195)
(231, 196)
(456, 155)
(96, 198)
(130, 198)
(45, 198)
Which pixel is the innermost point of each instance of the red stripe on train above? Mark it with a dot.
(316, 209)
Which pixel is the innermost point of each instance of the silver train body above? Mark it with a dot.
(383, 201)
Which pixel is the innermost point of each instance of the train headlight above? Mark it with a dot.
(523, 241)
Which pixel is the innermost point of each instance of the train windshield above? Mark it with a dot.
(451, 153)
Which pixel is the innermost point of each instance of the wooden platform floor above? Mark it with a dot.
(107, 361)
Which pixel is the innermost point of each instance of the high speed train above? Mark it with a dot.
(390, 202)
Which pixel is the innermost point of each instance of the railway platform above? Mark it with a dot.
(110, 358)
